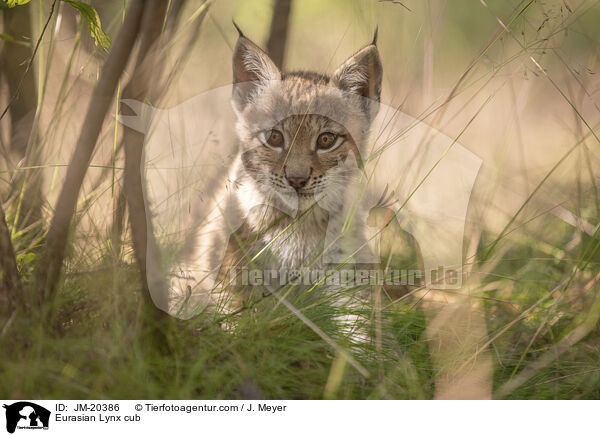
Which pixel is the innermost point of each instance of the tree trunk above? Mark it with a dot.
(49, 268)
(139, 88)
(146, 84)
(279, 31)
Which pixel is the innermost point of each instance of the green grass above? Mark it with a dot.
(94, 344)
(96, 348)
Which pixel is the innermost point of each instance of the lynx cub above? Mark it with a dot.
(288, 195)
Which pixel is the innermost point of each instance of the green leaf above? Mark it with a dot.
(9, 38)
(89, 14)
(13, 3)
(25, 259)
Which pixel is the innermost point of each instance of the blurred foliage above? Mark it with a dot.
(89, 14)
(13, 3)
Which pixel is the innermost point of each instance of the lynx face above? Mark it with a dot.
(301, 133)
(302, 156)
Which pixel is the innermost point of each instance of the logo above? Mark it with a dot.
(26, 415)
(430, 177)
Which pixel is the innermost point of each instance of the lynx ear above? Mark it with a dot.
(362, 73)
(252, 70)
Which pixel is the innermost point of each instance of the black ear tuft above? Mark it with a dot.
(374, 36)
(241, 34)
(361, 75)
(252, 70)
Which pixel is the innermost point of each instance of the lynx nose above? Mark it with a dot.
(297, 182)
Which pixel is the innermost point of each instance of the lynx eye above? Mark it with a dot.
(275, 138)
(326, 140)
